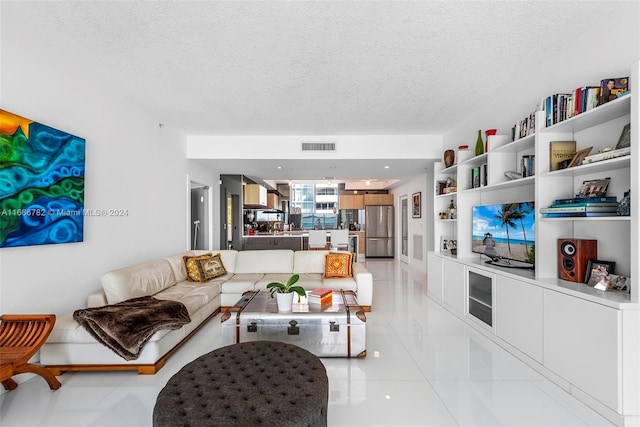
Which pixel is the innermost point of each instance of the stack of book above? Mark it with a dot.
(320, 296)
(581, 207)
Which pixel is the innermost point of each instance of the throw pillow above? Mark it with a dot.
(337, 265)
(210, 268)
(190, 263)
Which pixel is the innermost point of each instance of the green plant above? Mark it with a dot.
(290, 286)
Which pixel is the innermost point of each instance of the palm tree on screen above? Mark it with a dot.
(507, 215)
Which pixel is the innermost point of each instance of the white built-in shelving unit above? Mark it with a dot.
(585, 340)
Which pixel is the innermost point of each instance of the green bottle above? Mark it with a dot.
(479, 144)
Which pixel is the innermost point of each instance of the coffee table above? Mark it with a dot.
(337, 329)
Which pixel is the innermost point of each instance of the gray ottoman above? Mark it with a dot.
(255, 383)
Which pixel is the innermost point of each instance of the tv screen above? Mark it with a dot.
(505, 231)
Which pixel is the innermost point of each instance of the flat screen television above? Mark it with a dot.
(505, 233)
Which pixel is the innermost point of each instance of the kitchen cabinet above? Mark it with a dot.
(378, 199)
(355, 201)
(255, 195)
(273, 201)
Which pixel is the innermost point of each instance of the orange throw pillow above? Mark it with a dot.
(191, 264)
(337, 265)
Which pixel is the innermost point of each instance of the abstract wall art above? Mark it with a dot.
(41, 183)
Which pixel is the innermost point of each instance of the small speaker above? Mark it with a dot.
(573, 257)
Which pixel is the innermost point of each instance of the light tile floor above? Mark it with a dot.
(424, 367)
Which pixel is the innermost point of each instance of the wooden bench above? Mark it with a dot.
(21, 336)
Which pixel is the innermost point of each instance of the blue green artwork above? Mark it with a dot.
(41, 183)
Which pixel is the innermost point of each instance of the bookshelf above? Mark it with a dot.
(560, 328)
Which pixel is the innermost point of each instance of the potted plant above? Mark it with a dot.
(284, 292)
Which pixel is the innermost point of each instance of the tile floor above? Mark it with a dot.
(424, 368)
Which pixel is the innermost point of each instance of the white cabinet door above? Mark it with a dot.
(519, 315)
(434, 277)
(453, 284)
(582, 345)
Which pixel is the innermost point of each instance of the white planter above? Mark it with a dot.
(284, 301)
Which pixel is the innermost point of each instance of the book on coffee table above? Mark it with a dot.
(320, 296)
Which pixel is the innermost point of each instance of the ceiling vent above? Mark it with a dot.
(318, 146)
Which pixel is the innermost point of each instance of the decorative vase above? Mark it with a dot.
(285, 301)
(488, 133)
(479, 144)
(449, 157)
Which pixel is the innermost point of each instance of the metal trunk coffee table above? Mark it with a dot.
(337, 329)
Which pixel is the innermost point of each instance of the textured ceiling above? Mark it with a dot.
(307, 67)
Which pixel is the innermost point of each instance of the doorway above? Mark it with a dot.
(199, 238)
(404, 228)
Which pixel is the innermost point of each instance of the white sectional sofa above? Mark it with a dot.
(71, 348)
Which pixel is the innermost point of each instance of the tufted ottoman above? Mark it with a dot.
(254, 383)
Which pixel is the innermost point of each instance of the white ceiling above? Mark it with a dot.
(307, 67)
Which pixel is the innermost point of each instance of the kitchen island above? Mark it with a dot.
(293, 240)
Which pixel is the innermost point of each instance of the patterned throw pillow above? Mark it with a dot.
(337, 265)
(190, 263)
(210, 268)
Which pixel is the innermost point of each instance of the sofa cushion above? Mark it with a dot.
(240, 283)
(210, 268)
(310, 281)
(177, 263)
(140, 280)
(193, 295)
(191, 266)
(271, 261)
(337, 265)
(272, 277)
(347, 284)
(309, 261)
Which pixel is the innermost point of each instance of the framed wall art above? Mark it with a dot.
(42, 171)
(417, 204)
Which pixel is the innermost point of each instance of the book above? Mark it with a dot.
(320, 296)
(584, 204)
(612, 154)
(613, 88)
(607, 199)
(475, 177)
(577, 214)
(577, 209)
(559, 151)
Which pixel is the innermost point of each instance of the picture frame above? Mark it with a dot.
(448, 245)
(579, 157)
(598, 274)
(594, 188)
(625, 137)
(620, 283)
(416, 199)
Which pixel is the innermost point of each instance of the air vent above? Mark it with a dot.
(318, 146)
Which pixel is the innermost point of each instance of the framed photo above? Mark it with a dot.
(579, 157)
(594, 188)
(620, 283)
(625, 137)
(448, 245)
(598, 274)
(417, 204)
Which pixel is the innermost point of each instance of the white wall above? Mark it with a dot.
(417, 226)
(131, 163)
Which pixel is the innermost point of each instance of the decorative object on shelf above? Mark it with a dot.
(448, 245)
(579, 157)
(417, 205)
(488, 133)
(451, 211)
(449, 158)
(513, 174)
(284, 292)
(620, 283)
(624, 208)
(606, 154)
(597, 273)
(463, 153)
(479, 144)
(594, 188)
(625, 137)
(559, 152)
(450, 186)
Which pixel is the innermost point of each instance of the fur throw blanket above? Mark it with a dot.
(126, 327)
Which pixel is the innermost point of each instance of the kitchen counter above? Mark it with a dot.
(294, 240)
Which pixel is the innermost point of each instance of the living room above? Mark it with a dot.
(138, 158)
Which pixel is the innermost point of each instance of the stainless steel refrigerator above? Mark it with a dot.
(379, 231)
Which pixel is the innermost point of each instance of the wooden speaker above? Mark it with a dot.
(573, 256)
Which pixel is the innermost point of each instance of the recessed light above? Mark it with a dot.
(367, 182)
(386, 167)
(279, 167)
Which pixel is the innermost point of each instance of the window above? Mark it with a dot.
(318, 204)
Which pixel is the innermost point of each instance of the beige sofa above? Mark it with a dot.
(71, 348)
